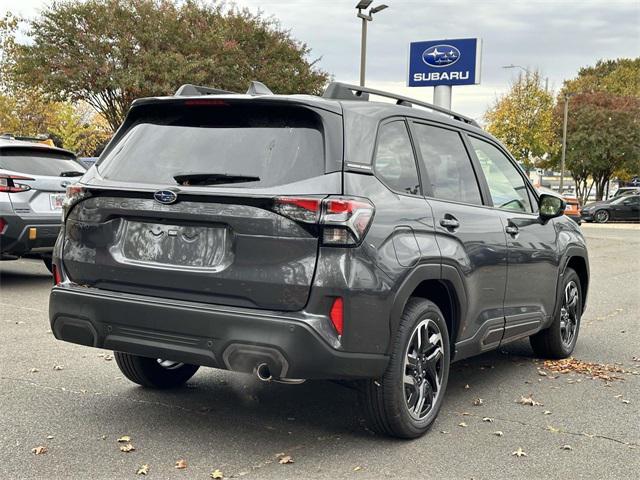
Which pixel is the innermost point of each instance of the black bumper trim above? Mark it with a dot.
(15, 238)
(200, 334)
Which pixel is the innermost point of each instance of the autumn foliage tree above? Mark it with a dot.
(110, 52)
(523, 120)
(603, 137)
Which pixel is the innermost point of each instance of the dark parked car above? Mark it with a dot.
(625, 208)
(298, 237)
(33, 179)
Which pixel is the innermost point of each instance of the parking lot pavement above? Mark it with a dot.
(74, 401)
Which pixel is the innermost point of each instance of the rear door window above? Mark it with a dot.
(277, 145)
(395, 162)
(39, 162)
(447, 164)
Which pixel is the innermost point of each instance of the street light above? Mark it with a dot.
(529, 72)
(564, 141)
(366, 17)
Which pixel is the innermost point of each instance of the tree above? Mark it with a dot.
(603, 124)
(522, 120)
(109, 52)
(603, 137)
(618, 77)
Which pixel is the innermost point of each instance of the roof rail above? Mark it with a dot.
(188, 89)
(344, 91)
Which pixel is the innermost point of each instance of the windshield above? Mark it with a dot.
(37, 162)
(269, 145)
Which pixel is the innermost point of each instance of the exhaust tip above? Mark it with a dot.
(263, 372)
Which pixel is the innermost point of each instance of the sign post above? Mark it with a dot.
(444, 63)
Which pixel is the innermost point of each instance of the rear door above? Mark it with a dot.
(46, 171)
(241, 183)
(470, 235)
(533, 259)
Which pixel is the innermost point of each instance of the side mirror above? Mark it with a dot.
(551, 206)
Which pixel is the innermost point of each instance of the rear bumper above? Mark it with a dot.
(15, 238)
(222, 337)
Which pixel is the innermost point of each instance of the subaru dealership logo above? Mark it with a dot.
(165, 196)
(441, 55)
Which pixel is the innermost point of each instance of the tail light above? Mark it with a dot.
(8, 183)
(344, 220)
(75, 193)
(57, 277)
(337, 315)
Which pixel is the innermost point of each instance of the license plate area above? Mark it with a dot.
(175, 247)
(55, 201)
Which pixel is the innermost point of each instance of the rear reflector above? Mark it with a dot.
(337, 315)
(3, 224)
(57, 278)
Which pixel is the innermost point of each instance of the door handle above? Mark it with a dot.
(449, 223)
(512, 229)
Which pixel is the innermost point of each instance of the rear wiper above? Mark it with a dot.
(213, 178)
(71, 173)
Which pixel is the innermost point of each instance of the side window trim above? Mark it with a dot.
(382, 123)
(527, 182)
(475, 166)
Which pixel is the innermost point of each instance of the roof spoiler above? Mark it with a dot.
(344, 91)
(189, 90)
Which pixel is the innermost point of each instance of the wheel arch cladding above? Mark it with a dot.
(443, 294)
(579, 265)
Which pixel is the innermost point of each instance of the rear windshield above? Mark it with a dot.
(37, 162)
(278, 145)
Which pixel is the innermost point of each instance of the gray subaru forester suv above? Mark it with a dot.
(298, 237)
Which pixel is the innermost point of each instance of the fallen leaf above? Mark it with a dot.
(127, 448)
(216, 474)
(566, 447)
(626, 401)
(34, 370)
(40, 450)
(143, 470)
(552, 429)
(285, 459)
(444, 431)
(49, 437)
(180, 464)
(594, 370)
(108, 357)
(499, 433)
(546, 412)
(462, 424)
(487, 419)
(465, 414)
(467, 387)
(58, 367)
(477, 402)
(528, 401)
(519, 452)
(124, 439)
(542, 373)
(357, 469)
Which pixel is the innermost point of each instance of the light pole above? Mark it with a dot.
(366, 17)
(564, 141)
(529, 72)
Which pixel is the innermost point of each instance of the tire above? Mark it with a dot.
(390, 404)
(48, 262)
(559, 340)
(150, 372)
(601, 216)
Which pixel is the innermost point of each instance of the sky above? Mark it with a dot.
(555, 36)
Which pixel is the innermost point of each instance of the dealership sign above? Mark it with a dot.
(444, 62)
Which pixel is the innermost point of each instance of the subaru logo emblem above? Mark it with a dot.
(441, 56)
(165, 196)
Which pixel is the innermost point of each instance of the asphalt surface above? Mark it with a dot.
(238, 425)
